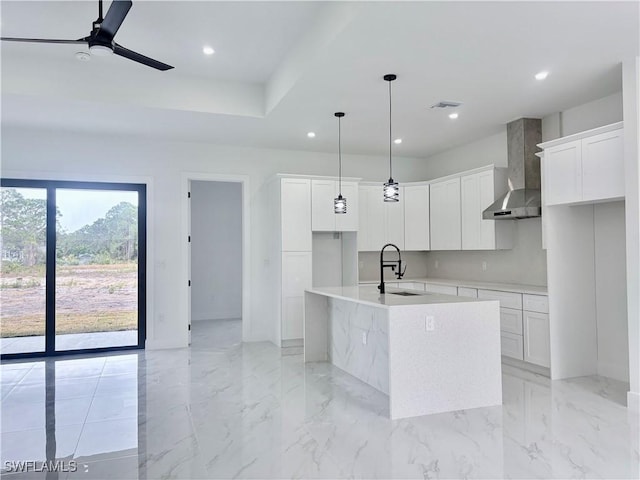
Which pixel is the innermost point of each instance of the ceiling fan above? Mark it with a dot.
(100, 40)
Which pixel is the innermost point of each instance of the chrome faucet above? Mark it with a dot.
(391, 264)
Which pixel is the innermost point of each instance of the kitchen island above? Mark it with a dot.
(429, 353)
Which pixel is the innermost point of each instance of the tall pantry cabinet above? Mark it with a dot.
(291, 253)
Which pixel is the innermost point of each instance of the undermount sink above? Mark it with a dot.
(406, 294)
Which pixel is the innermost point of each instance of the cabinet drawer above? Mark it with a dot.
(511, 345)
(412, 285)
(444, 289)
(511, 320)
(467, 292)
(506, 299)
(535, 303)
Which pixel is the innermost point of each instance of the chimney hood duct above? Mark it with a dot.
(523, 198)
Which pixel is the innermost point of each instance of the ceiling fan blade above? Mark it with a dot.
(137, 57)
(114, 18)
(41, 40)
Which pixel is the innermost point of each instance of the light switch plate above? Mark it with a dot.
(364, 338)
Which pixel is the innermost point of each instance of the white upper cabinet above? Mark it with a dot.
(322, 195)
(603, 166)
(380, 222)
(445, 215)
(394, 221)
(585, 167)
(478, 191)
(295, 210)
(348, 222)
(416, 217)
(323, 217)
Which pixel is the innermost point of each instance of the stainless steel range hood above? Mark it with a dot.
(523, 198)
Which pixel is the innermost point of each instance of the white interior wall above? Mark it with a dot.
(40, 154)
(216, 250)
(597, 113)
(326, 259)
(611, 290)
(631, 110)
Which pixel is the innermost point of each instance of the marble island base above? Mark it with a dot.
(431, 354)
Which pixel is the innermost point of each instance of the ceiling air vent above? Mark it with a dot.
(446, 104)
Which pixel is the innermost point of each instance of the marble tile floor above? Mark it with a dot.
(224, 409)
(71, 341)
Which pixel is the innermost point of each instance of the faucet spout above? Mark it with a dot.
(392, 264)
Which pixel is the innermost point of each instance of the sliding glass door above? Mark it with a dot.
(23, 287)
(76, 253)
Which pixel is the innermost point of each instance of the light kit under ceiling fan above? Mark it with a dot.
(100, 40)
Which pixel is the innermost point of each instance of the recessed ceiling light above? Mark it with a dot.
(453, 116)
(397, 141)
(541, 75)
(311, 134)
(208, 50)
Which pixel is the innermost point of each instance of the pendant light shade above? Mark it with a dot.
(339, 203)
(391, 190)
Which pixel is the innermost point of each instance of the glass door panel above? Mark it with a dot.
(23, 286)
(96, 269)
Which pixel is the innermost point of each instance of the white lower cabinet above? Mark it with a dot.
(524, 325)
(296, 277)
(412, 285)
(444, 289)
(467, 292)
(511, 320)
(511, 345)
(292, 311)
(536, 338)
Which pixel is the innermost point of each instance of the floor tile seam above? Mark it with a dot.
(75, 449)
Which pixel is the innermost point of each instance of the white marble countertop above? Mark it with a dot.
(369, 295)
(503, 287)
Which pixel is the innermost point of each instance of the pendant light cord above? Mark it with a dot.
(339, 158)
(390, 136)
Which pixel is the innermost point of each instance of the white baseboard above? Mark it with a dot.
(633, 401)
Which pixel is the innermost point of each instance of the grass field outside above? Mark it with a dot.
(89, 298)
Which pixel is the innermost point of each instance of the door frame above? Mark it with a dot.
(50, 290)
(185, 298)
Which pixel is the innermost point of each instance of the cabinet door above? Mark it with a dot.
(292, 318)
(348, 222)
(376, 218)
(487, 228)
(323, 218)
(295, 208)
(536, 338)
(445, 215)
(603, 166)
(563, 173)
(511, 320)
(363, 219)
(511, 345)
(296, 273)
(471, 211)
(416, 217)
(394, 221)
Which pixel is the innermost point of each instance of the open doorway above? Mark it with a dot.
(216, 263)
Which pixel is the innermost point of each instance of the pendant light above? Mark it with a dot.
(339, 203)
(391, 189)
